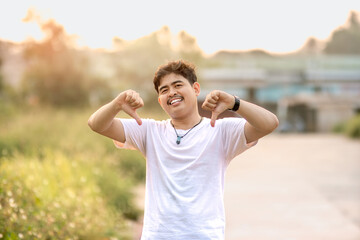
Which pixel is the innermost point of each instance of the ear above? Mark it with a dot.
(159, 100)
(196, 87)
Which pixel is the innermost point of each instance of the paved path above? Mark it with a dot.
(295, 187)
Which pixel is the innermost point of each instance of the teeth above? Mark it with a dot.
(175, 101)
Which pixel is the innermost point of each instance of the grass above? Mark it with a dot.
(59, 180)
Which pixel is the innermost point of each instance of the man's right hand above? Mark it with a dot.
(129, 101)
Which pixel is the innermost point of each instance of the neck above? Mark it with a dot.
(187, 122)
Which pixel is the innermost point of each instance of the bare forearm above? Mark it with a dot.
(260, 118)
(101, 120)
(260, 121)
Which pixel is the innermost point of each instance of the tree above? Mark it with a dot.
(188, 48)
(346, 40)
(57, 74)
(1, 78)
(311, 46)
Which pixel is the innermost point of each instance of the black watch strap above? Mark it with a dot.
(236, 105)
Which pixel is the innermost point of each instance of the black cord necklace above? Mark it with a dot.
(178, 139)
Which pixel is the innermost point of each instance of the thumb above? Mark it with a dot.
(134, 115)
(214, 116)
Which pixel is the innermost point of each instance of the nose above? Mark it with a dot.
(172, 92)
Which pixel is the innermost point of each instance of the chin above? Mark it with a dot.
(176, 114)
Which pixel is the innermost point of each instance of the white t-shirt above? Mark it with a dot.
(185, 182)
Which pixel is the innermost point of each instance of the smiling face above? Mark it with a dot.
(178, 97)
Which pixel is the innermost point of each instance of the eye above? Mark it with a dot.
(178, 85)
(163, 91)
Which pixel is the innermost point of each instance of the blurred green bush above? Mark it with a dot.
(59, 180)
(351, 127)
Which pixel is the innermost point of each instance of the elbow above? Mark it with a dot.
(274, 124)
(95, 126)
(91, 124)
(271, 125)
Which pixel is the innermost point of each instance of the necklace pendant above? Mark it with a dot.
(178, 138)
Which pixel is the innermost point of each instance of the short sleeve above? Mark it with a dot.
(234, 137)
(135, 135)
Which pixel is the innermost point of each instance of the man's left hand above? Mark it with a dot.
(217, 102)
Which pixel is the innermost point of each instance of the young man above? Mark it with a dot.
(186, 155)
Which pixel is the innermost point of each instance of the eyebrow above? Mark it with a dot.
(173, 83)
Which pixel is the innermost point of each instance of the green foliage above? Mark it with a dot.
(351, 127)
(54, 198)
(1, 82)
(339, 128)
(59, 180)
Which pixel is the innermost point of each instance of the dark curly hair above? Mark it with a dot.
(181, 67)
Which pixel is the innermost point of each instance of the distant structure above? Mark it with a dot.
(308, 93)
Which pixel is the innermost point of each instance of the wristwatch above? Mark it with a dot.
(236, 104)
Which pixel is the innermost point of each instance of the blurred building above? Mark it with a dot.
(308, 93)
